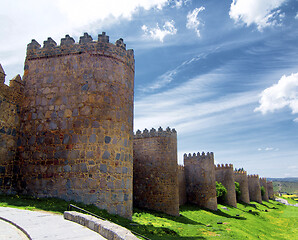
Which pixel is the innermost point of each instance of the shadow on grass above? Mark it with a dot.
(180, 219)
(219, 212)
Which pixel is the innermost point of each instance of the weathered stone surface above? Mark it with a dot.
(254, 188)
(155, 175)
(200, 180)
(68, 118)
(10, 99)
(182, 185)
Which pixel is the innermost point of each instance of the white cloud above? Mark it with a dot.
(268, 149)
(88, 11)
(179, 3)
(280, 95)
(21, 21)
(158, 33)
(263, 13)
(193, 21)
(296, 17)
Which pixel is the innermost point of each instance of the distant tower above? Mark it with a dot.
(200, 180)
(254, 188)
(2, 75)
(241, 178)
(225, 175)
(263, 183)
(155, 173)
(77, 122)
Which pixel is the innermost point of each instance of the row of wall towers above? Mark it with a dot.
(66, 130)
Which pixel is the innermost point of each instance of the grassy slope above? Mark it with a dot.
(279, 222)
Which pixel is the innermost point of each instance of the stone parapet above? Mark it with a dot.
(102, 47)
(153, 133)
(105, 228)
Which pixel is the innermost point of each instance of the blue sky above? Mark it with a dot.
(224, 74)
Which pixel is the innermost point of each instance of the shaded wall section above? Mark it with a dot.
(182, 185)
(155, 174)
(263, 183)
(200, 180)
(270, 190)
(241, 178)
(254, 188)
(10, 99)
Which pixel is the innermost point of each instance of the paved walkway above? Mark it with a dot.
(42, 225)
(284, 201)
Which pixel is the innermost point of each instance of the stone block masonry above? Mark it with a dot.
(10, 99)
(241, 178)
(254, 188)
(270, 190)
(263, 183)
(77, 122)
(182, 185)
(225, 175)
(200, 180)
(155, 175)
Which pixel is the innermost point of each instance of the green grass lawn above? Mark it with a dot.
(256, 221)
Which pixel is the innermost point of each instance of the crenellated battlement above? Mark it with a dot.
(180, 167)
(253, 176)
(86, 44)
(224, 166)
(263, 179)
(240, 172)
(153, 133)
(199, 156)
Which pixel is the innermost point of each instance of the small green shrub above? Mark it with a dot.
(263, 191)
(237, 189)
(221, 191)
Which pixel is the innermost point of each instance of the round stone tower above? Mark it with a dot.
(77, 122)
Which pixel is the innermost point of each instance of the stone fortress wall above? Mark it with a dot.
(155, 175)
(10, 100)
(182, 185)
(66, 131)
(200, 180)
(263, 183)
(77, 122)
(254, 188)
(225, 175)
(241, 178)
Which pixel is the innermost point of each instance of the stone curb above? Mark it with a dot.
(106, 229)
(17, 226)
